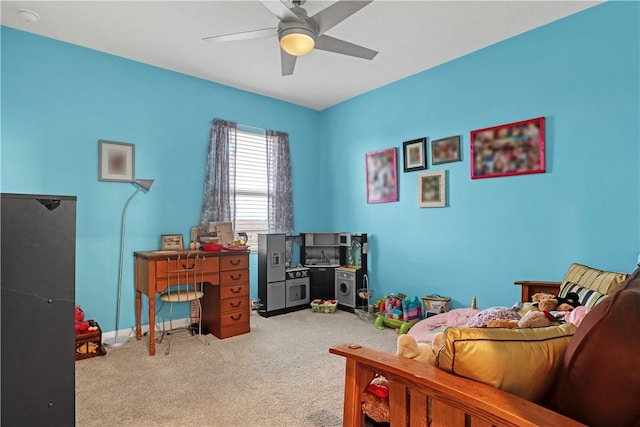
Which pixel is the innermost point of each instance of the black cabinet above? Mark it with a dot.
(38, 298)
(322, 283)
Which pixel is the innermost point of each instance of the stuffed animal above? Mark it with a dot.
(375, 402)
(537, 319)
(407, 346)
(572, 300)
(541, 296)
(548, 304)
(81, 326)
(502, 323)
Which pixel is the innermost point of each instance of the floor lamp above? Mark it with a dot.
(144, 185)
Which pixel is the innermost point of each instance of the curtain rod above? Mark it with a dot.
(240, 125)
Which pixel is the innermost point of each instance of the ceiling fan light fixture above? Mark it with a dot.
(297, 41)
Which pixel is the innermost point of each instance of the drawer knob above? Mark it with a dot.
(236, 277)
(235, 305)
(234, 261)
(233, 317)
(235, 291)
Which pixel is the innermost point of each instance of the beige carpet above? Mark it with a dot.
(280, 374)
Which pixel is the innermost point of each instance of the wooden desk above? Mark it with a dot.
(155, 270)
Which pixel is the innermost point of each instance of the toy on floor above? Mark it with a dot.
(398, 311)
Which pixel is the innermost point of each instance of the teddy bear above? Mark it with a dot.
(537, 319)
(407, 346)
(548, 304)
(375, 402)
(541, 296)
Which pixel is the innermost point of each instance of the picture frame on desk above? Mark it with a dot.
(171, 242)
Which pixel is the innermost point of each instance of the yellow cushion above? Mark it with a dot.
(605, 282)
(182, 296)
(523, 362)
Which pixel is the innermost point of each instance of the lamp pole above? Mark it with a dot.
(117, 341)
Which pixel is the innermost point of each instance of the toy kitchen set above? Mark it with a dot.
(328, 265)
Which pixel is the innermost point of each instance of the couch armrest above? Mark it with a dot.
(530, 287)
(421, 394)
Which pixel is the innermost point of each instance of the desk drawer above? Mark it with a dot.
(232, 304)
(234, 276)
(234, 291)
(234, 318)
(234, 262)
(184, 267)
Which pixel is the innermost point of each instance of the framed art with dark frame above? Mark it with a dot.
(445, 150)
(432, 189)
(415, 157)
(382, 176)
(511, 149)
(171, 242)
(116, 161)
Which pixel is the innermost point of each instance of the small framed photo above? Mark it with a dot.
(171, 242)
(432, 189)
(382, 176)
(415, 154)
(116, 161)
(511, 149)
(445, 150)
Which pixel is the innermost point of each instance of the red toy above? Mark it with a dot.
(84, 326)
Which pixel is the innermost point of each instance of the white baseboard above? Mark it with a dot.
(131, 332)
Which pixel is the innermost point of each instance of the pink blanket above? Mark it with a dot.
(424, 330)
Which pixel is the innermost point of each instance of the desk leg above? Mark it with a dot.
(138, 310)
(152, 325)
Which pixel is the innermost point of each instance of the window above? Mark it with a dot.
(251, 185)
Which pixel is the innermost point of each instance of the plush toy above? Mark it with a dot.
(407, 346)
(548, 304)
(81, 326)
(537, 319)
(375, 402)
(502, 323)
(571, 301)
(541, 296)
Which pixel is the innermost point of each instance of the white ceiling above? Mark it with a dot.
(411, 36)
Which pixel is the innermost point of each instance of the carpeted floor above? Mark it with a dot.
(280, 374)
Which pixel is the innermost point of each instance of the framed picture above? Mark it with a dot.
(382, 176)
(115, 161)
(171, 242)
(415, 154)
(432, 189)
(445, 150)
(512, 149)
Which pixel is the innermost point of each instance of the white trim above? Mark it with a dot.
(131, 332)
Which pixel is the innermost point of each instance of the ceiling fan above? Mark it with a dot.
(299, 34)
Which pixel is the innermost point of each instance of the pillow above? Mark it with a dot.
(523, 362)
(483, 317)
(599, 383)
(605, 282)
(587, 297)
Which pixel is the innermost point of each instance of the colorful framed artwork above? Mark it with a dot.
(445, 150)
(511, 149)
(382, 176)
(171, 242)
(415, 154)
(115, 161)
(432, 189)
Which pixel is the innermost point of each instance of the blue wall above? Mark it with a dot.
(581, 73)
(58, 100)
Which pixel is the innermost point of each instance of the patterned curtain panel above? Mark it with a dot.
(218, 203)
(280, 200)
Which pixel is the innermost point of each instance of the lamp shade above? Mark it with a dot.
(297, 41)
(144, 184)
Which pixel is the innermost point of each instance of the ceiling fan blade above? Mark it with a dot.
(280, 10)
(288, 62)
(245, 35)
(336, 13)
(332, 44)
